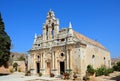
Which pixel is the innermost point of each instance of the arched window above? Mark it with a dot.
(62, 54)
(52, 30)
(104, 60)
(38, 57)
(93, 56)
(93, 60)
(47, 32)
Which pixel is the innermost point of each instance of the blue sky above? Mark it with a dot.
(96, 19)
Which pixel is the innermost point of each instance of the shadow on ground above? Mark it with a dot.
(1, 74)
(117, 78)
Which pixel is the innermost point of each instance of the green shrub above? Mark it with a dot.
(110, 70)
(40, 74)
(103, 71)
(86, 78)
(26, 74)
(19, 69)
(90, 69)
(99, 71)
(116, 67)
(11, 70)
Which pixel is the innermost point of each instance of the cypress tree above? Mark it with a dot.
(5, 44)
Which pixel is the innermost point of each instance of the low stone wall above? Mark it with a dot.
(4, 70)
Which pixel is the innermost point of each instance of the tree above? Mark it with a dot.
(5, 44)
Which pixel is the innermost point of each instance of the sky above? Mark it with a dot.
(96, 19)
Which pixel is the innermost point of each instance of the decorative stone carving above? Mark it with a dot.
(65, 46)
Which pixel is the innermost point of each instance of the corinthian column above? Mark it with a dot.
(50, 33)
(40, 60)
(67, 59)
(53, 60)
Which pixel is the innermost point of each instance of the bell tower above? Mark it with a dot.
(51, 27)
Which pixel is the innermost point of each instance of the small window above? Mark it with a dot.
(104, 58)
(38, 56)
(62, 40)
(57, 39)
(38, 44)
(62, 54)
(93, 56)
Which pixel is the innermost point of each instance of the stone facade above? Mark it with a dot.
(57, 51)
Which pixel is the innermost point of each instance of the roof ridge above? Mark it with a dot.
(87, 39)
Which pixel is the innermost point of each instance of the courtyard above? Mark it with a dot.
(19, 76)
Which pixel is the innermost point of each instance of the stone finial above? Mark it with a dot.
(51, 13)
(70, 29)
(70, 25)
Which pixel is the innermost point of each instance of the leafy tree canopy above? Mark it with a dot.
(5, 44)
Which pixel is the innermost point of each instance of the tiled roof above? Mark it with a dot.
(82, 37)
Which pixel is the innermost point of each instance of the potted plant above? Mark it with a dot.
(27, 73)
(40, 74)
(52, 75)
(66, 75)
(74, 76)
(19, 69)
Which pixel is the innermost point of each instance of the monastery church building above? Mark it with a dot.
(57, 51)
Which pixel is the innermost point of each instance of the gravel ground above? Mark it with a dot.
(115, 76)
(20, 77)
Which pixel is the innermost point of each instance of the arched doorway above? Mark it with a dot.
(62, 68)
(38, 67)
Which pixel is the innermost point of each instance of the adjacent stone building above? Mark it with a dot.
(57, 51)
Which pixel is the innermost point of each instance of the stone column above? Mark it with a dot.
(56, 58)
(40, 60)
(53, 60)
(44, 33)
(70, 59)
(56, 29)
(50, 33)
(35, 70)
(43, 63)
(67, 59)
